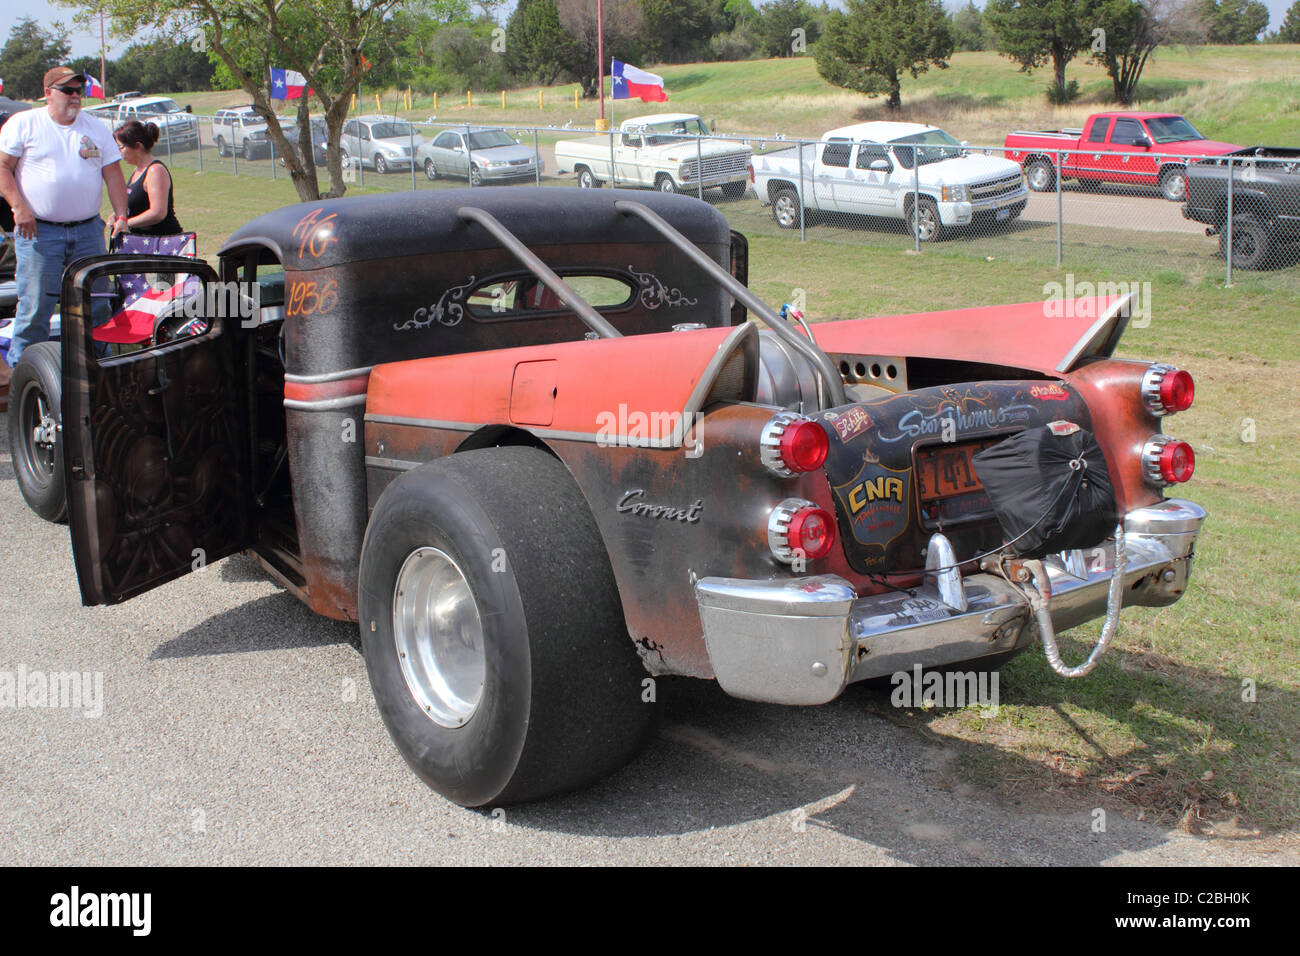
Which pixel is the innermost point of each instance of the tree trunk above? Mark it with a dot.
(1059, 61)
(895, 100)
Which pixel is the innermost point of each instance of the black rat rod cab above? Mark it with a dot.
(530, 442)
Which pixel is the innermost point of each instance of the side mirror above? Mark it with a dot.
(1142, 141)
(713, 126)
(881, 166)
(188, 108)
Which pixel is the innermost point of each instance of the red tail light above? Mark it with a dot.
(1166, 389)
(1166, 461)
(751, 173)
(798, 528)
(792, 444)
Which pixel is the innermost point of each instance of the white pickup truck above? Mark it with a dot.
(871, 169)
(661, 152)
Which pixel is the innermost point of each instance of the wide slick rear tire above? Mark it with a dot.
(518, 679)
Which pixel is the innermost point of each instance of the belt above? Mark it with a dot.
(79, 222)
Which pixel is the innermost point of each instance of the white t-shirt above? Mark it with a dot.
(60, 167)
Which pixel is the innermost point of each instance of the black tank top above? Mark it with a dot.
(137, 202)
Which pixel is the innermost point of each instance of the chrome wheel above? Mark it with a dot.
(439, 637)
(430, 170)
(785, 210)
(585, 178)
(381, 164)
(1040, 176)
(475, 176)
(926, 222)
(1174, 185)
(40, 431)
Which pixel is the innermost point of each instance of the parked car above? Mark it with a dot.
(481, 154)
(878, 169)
(320, 135)
(1265, 202)
(381, 142)
(537, 482)
(1149, 149)
(176, 126)
(665, 151)
(242, 130)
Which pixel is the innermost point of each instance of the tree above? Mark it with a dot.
(968, 30)
(538, 48)
(868, 46)
(779, 24)
(624, 23)
(323, 40)
(678, 31)
(28, 53)
(1035, 32)
(1130, 33)
(1234, 21)
(1289, 31)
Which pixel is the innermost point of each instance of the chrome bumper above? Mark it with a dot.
(803, 640)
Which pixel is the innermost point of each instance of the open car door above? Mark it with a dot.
(155, 452)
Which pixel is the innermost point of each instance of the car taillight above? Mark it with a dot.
(1166, 390)
(1166, 461)
(791, 444)
(798, 528)
(751, 173)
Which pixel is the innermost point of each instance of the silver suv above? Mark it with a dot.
(381, 142)
(175, 125)
(240, 129)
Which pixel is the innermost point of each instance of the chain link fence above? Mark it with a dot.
(1124, 214)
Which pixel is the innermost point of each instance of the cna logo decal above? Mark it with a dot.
(877, 503)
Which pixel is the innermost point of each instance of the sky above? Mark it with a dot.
(85, 43)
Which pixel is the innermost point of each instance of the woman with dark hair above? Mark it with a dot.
(149, 206)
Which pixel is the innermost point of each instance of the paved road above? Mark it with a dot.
(1115, 206)
(238, 728)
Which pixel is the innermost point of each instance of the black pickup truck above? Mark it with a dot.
(1265, 203)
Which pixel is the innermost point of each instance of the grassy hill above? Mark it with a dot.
(1246, 94)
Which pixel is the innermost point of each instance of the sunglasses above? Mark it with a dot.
(70, 90)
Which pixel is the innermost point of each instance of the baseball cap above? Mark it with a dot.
(61, 74)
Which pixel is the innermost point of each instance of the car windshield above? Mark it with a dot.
(489, 138)
(1172, 129)
(391, 130)
(668, 132)
(162, 106)
(932, 146)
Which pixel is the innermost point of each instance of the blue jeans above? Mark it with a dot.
(39, 273)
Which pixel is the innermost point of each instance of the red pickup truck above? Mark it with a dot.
(1149, 149)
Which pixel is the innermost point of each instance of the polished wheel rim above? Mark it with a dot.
(39, 431)
(429, 171)
(785, 212)
(439, 637)
(925, 224)
(666, 186)
(1038, 177)
(1175, 187)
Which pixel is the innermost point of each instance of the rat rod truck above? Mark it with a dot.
(537, 451)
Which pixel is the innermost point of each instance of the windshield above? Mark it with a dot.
(162, 106)
(391, 130)
(1172, 129)
(932, 146)
(489, 138)
(657, 133)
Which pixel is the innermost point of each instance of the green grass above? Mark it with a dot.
(1160, 727)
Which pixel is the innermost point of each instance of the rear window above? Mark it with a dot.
(1099, 127)
(836, 154)
(519, 296)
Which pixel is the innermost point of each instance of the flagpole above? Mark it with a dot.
(601, 123)
(103, 73)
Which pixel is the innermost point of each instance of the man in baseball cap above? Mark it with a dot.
(54, 165)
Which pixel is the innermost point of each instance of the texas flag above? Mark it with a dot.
(94, 88)
(627, 82)
(287, 84)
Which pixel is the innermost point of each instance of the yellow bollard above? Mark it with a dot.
(379, 107)
(435, 99)
(354, 102)
(575, 99)
(469, 97)
(409, 98)
(540, 105)
(503, 99)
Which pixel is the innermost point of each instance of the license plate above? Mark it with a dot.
(1003, 213)
(946, 470)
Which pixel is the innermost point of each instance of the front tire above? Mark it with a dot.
(248, 150)
(35, 444)
(1173, 183)
(1040, 175)
(430, 170)
(665, 184)
(925, 225)
(587, 179)
(222, 151)
(475, 176)
(518, 680)
(381, 165)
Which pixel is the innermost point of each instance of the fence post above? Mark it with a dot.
(411, 127)
(198, 144)
(1227, 249)
(537, 153)
(699, 167)
(613, 182)
(803, 233)
(916, 200)
(1060, 217)
(469, 157)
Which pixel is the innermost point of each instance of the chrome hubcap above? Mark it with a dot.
(1038, 177)
(42, 428)
(785, 212)
(439, 637)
